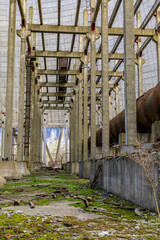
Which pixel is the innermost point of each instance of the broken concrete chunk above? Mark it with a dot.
(137, 212)
(31, 204)
(16, 203)
(67, 224)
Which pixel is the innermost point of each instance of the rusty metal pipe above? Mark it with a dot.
(148, 111)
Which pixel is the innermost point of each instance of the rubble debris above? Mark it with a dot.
(16, 203)
(67, 224)
(31, 204)
(137, 212)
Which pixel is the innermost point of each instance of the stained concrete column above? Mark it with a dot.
(85, 109)
(33, 99)
(140, 70)
(2, 142)
(80, 106)
(22, 34)
(93, 93)
(27, 111)
(76, 122)
(80, 78)
(44, 145)
(76, 119)
(59, 143)
(117, 98)
(10, 80)
(129, 73)
(40, 135)
(85, 95)
(66, 144)
(71, 133)
(158, 43)
(105, 84)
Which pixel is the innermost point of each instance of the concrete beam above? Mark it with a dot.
(56, 108)
(65, 54)
(68, 85)
(75, 72)
(66, 29)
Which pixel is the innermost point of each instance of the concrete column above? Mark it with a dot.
(27, 111)
(93, 91)
(33, 99)
(59, 143)
(71, 133)
(66, 145)
(22, 34)
(85, 109)
(76, 122)
(158, 43)
(40, 135)
(129, 73)
(10, 80)
(80, 106)
(105, 84)
(2, 142)
(117, 98)
(85, 96)
(44, 145)
(140, 71)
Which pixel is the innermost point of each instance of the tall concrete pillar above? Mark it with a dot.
(85, 109)
(158, 43)
(27, 111)
(140, 70)
(44, 145)
(93, 93)
(85, 95)
(80, 106)
(76, 120)
(2, 142)
(71, 133)
(33, 99)
(66, 145)
(40, 135)
(10, 80)
(22, 34)
(59, 144)
(117, 98)
(105, 84)
(129, 73)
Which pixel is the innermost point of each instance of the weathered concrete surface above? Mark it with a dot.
(36, 166)
(126, 178)
(2, 181)
(22, 168)
(86, 169)
(9, 170)
(155, 133)
(75, 168)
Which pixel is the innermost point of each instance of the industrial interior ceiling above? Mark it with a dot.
(67, 16)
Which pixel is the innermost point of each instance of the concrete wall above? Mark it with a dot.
(124, 177)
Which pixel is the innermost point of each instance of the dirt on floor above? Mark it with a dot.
(56, 205)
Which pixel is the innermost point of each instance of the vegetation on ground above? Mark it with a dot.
(116, 218)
